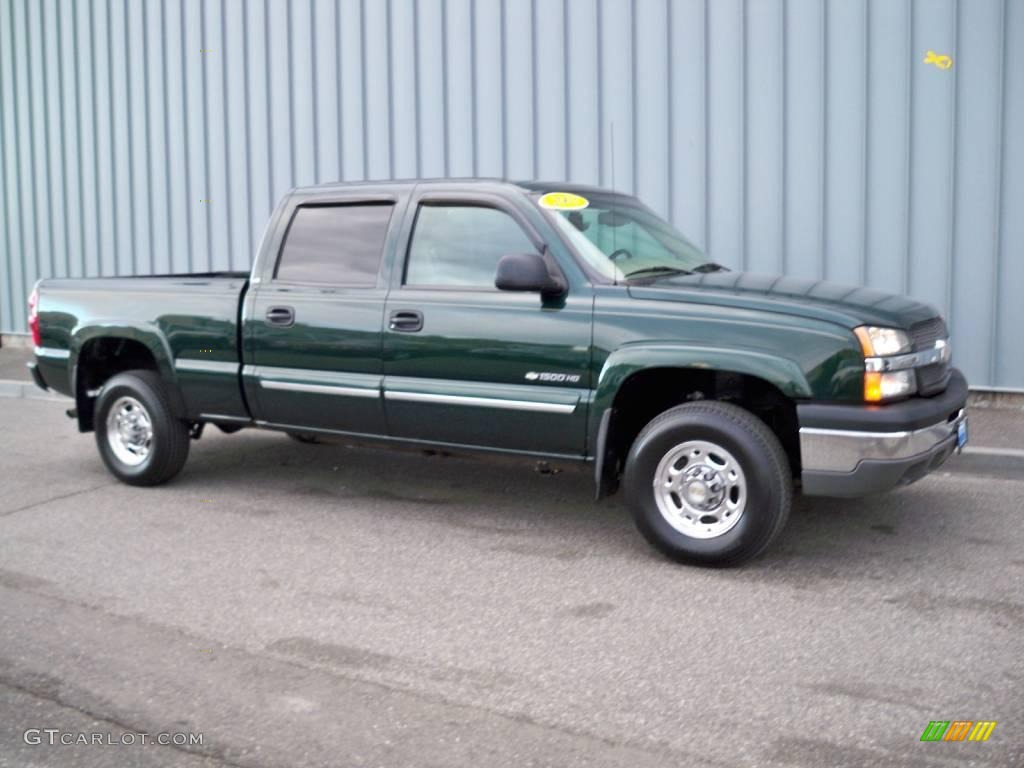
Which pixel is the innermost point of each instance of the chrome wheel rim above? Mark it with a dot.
(700, 489)
(129, 431)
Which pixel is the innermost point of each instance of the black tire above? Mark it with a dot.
(766, 473)
(305, 438)
(168, 448)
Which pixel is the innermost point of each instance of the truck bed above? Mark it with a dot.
(194, 318)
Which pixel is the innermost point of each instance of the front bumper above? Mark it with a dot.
(856, 450)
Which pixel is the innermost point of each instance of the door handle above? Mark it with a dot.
(280, 315)
(406, 321)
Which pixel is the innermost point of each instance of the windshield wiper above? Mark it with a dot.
(658, 270)
(710, 267)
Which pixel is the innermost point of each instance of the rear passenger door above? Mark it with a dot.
(313, 329)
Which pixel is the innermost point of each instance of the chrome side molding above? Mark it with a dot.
(481, 402)
(52, 353)
(205, 366)
(320, 389)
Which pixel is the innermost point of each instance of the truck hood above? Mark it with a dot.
(845, 305)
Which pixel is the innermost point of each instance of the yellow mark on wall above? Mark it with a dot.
(940, 61)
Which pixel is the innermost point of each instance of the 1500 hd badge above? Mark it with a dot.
(567, 378)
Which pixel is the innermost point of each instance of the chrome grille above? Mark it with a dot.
(927, 332)
(931, 379)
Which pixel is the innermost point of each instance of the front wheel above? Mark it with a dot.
(139, 438)
(709, 484)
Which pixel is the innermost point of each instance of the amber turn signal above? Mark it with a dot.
(872, 387)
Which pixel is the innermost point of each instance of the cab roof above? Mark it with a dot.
(526, 186)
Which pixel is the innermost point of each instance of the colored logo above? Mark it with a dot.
(942, 62)
(958, 730)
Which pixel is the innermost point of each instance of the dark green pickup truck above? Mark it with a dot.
(550, 321)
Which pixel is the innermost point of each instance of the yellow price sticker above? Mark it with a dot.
(563, 201)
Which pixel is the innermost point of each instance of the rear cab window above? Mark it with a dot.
(335, 244)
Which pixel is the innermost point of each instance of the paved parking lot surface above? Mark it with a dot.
(322, 605)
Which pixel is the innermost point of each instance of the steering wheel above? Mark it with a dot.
(620, 252)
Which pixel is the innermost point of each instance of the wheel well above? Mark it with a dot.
(647, 393)
(99, 360)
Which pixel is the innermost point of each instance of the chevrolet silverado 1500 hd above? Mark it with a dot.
(552, 321)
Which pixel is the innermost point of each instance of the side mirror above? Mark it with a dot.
(527, 272)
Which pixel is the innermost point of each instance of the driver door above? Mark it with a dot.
(469, 365)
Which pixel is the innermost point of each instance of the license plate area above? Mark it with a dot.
(961, 434)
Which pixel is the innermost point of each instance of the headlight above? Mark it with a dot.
(879, 342)
(879, 387)
(881, 384)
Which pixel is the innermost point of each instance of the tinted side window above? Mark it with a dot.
(335, 244)
(461, 245)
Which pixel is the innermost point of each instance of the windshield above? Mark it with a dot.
(622, 239)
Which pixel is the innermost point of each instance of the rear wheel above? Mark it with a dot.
(709, 484)
(138, 436)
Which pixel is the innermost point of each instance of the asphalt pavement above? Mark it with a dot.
(315, 605)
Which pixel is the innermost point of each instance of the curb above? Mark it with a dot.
(995, 399)
(979, 460)
(15, 341)
(27, 390)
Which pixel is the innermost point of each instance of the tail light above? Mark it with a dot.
(33, 317)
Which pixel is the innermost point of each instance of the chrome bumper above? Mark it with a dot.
(838, 450)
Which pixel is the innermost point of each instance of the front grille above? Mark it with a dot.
(931, 379)
(927, 332)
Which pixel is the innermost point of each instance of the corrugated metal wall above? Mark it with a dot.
(801, 136)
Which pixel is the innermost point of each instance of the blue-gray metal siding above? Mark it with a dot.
(801, 136)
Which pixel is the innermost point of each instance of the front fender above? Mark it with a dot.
(781, 372)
